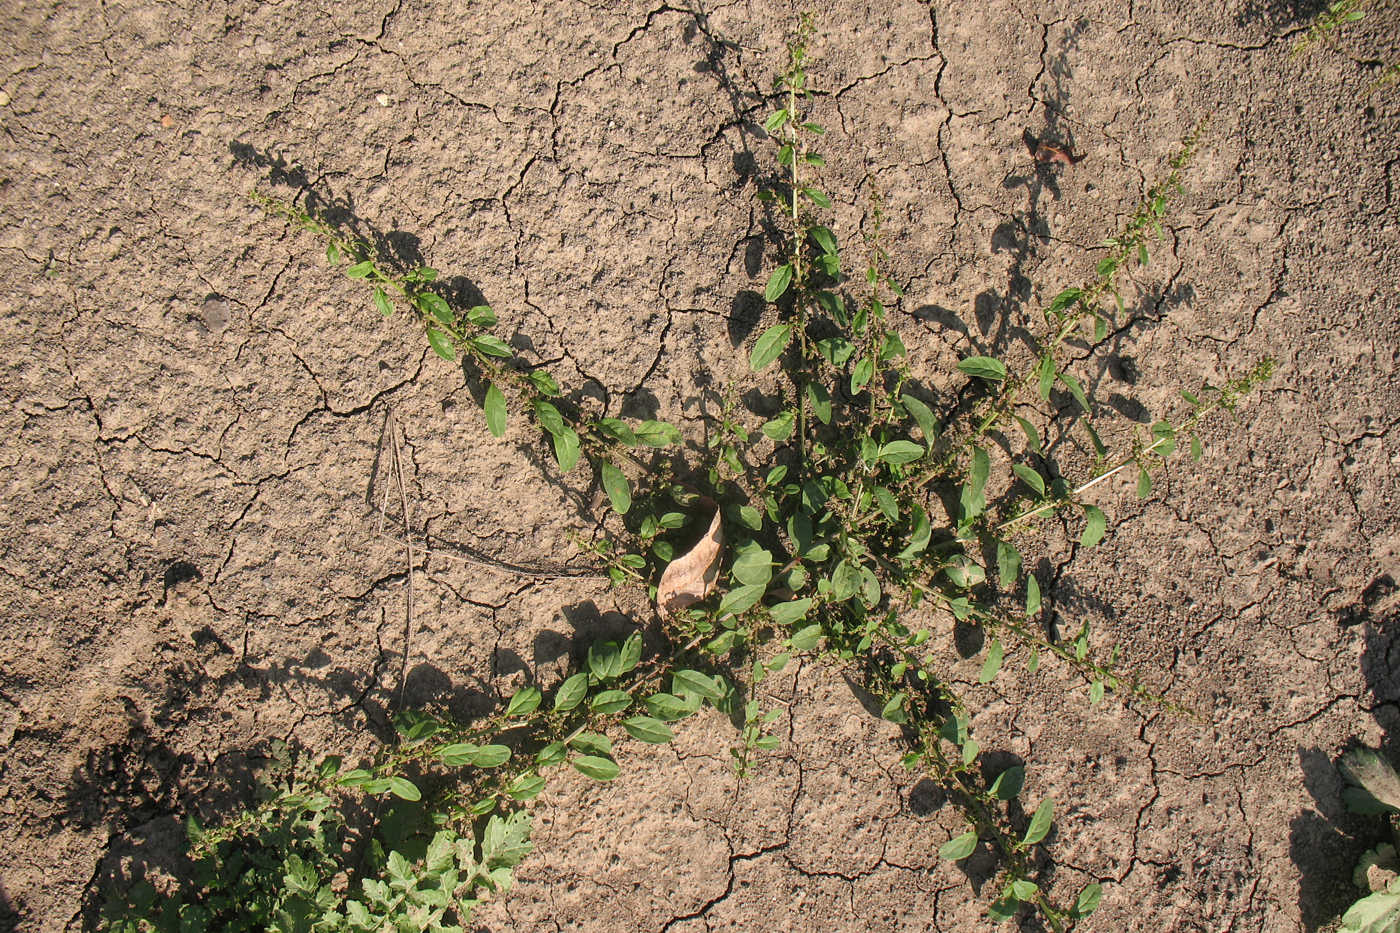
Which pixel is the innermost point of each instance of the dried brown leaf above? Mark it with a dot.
(691, 577)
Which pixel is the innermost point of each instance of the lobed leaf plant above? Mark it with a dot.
(863, 511)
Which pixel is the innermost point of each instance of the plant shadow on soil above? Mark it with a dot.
(1325, 843)
(138, 787)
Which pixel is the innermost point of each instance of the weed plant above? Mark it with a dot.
(859, 514)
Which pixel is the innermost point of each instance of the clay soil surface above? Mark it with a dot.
(192, 562)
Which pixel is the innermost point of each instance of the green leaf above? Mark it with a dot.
(630, 654)
(780, 428)
(775, 121)
(885, 499)
(1008, 563)
(845, 581)
(434, 304)
(983, 367)
(526, 787)
(824, 239)
(571, 692)
(900, 452)
(360, 269)
(404, 789)
(741, 599)
(696, 684)
(817, 197)
(862, 373)
(616, 486)
(1164, 438)
(753, 567)
(918, 536)
(770, 346)
(492, 345)
(382, 302)
(1375, 913)
(611, 701)
(646, 729)
(441, 344)
(806, 638)
(821, 401)
(1096, 692)
(1040, 822)
(922, 416)
(599, 769)
(618, 430)
(549, 417)
(333, 253)
(892, 348)
(1046, 373)
(657, 433)
(481, 316)
(979, 471)
(1063, 300)
(1374, 774)
(490, 756)
(1032, 596)
(1144, 484)
(893, 710)
(778, 283)
(1032, 437)
(1030, 477)
(551, 754)
(592, 743)
(1088, 900)
(1195, 449)
(495, 408)
(668, 707)
(524, 702)
(566, 449)
(1094, 525)
(1076, 390)
(1009, 783)
(542, 380)
(959, 847)
(993, 662)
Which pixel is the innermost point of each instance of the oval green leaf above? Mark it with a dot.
(646, 729)
(495, 408)
(770, 346)
(599, 769)
(1040, 822)
(959, 847)
(983, 367)
(778, 282)
(617, 488)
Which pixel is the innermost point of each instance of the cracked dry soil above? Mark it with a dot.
(192, 562)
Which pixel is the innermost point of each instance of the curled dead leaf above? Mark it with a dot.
(691, 577)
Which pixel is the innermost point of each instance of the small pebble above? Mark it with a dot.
(384, 99)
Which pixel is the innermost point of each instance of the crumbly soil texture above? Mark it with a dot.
(197, 556)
